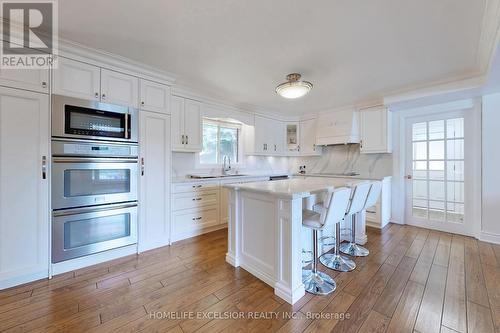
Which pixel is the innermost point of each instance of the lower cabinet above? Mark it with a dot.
(24, 186)
(155, 166)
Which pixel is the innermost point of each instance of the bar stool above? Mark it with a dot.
(365, 195)
(316, 282)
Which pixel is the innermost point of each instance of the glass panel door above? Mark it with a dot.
(436, 176)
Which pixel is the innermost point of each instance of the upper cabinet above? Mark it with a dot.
(269, 136)
(338, 127)
(292, 138)
(307, 143)
(118, 88)
(81, 80)
(77, 79)
(155, 97)
(186, 125)
(376, 130)
(33, 79)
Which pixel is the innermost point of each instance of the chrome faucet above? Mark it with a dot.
(226, 167)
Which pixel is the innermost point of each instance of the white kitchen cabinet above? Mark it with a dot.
(119, 88)
(376, 131)
(186, 125)
(28, 79)
(278, 138)
(269, 136)
(307, 142)
(81, 80)
(77, 79)
(292, 132)
(155, 97)
(24, 186)
(155, 166)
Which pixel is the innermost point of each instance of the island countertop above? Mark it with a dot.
(294, 188)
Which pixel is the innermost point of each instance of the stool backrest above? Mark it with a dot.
(374, 194)
(336, 202)
(358, 198)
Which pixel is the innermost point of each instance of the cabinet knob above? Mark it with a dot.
(103, 96)
(44, 84)
(96, 95)
(142, 103)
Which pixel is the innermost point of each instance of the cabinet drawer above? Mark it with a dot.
(195, 219)
(195, 199)
(373, 213)
(193, 187)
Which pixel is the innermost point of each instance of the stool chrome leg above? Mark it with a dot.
(316, 282)
(352, 248)
(336, 261)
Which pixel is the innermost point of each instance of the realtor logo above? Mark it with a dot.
(29, 37)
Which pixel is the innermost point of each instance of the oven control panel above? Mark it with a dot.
(60, 148)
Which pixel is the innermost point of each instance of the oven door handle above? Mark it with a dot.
(93, 160)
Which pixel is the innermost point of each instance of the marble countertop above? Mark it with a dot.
(294, 188)
(235, 178)
(326, 175)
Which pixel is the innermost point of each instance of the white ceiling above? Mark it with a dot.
(353, 51)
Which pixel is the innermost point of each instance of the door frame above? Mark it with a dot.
(472, 120)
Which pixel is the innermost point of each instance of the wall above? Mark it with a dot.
(490, 226)
(344, 159)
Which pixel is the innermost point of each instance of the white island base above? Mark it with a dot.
(265, 233)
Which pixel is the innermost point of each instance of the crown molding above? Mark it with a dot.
(490, 34)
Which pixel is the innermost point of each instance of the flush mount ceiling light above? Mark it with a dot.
(294, 87)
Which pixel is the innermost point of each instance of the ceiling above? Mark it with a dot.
(352, 51)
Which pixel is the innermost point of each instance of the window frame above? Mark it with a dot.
(225, 124)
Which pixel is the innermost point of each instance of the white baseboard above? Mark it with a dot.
(193, 233)
(12, 282)
(489, 237)
(77, 263)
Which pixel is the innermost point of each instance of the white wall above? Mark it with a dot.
(490, 226)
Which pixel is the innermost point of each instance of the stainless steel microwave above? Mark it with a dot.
(92, 120)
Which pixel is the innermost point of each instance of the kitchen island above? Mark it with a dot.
(265, 235)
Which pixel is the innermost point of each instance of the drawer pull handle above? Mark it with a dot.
(196, 218)
(197, 186)
(371, 211)
(197, 199)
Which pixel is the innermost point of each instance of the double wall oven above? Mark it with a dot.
(94, 177)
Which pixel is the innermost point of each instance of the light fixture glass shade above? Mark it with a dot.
(294, 88)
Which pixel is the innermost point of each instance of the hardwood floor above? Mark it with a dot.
(414, 280)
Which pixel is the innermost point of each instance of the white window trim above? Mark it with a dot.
(239, 127)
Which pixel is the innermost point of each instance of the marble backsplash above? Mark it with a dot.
(345, 159)
(186, 163)
(335, 159)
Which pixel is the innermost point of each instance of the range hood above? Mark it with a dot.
(338, 128)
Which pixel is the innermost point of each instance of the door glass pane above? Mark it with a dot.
(419, 131)
(419, 208)
(84, 182)
(208, 154)
(436, 210)
(455, 128)
(436, 130)
(455, 192)
(95, 230)
(229, 143)
(420, 170)
(436, 170)
(436, 150)
(436, 190)
(420, 150)
(455, 149)
(455, 170)
(455, 212)
(420, 189)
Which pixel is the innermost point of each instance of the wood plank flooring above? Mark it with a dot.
(415, 280)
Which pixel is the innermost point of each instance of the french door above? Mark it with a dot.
(435, 164)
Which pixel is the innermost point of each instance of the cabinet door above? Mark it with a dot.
(278, 137)
(192, 125)
(155, 97)
(262, 144)
(308, 137)
(177, 109)
(375, 131)
(32, 79)
(119, 88)
(154, 200)
(76, 79)
(224, 205)
(24, 213)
